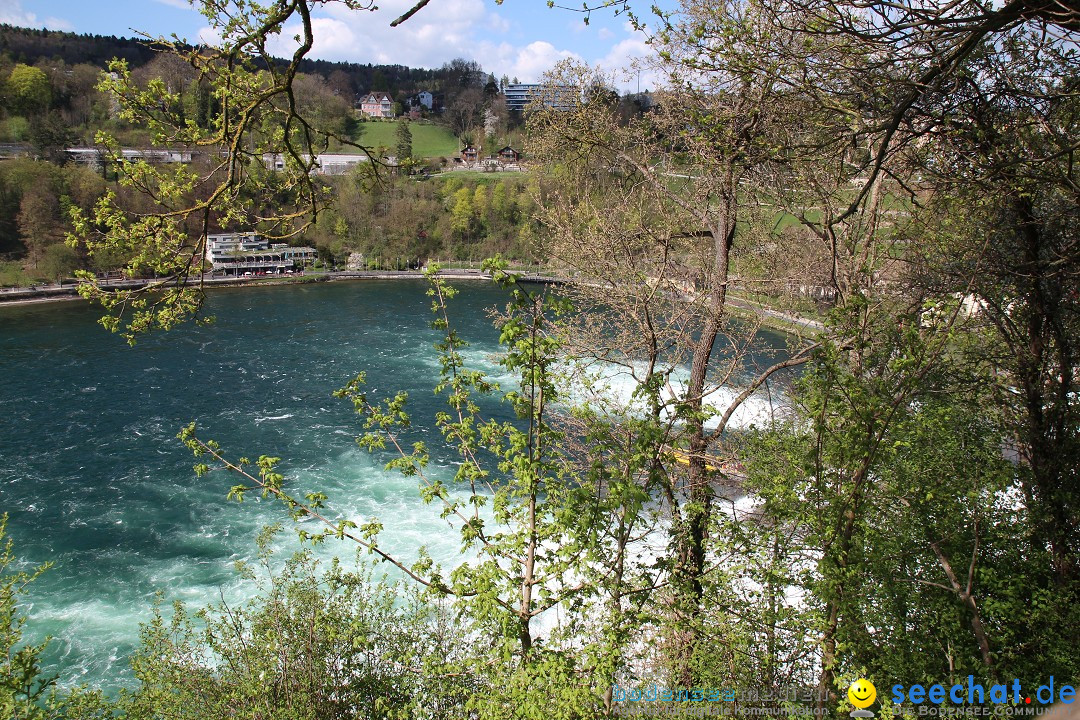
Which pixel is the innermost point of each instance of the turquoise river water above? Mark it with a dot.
(95, 482)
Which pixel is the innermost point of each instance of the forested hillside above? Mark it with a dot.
(30, 47)
(51, 101)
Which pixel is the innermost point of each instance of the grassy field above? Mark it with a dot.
(12, 275)
(427, 140)
(480, 175)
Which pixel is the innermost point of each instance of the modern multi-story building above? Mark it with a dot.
(250, 254)
(559, 97)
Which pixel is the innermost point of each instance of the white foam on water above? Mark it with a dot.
(362, 490)
(609, 386)
(260, 420)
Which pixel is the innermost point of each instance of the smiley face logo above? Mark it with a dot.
(862, 693)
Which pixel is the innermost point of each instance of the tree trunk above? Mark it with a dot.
(692, 538)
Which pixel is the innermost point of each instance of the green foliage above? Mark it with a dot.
(50, 136)
(24, 689)
(891, 508)
(396, 219)
(59, 261)
(35, 198)
(28, 90)
(462, 217)
(12, 275)
(314, 642)
(15, 129)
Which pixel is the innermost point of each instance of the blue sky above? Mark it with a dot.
(521, 38)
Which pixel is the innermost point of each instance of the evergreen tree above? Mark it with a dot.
(403, 149)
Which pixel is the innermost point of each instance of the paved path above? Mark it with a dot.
(803, 323)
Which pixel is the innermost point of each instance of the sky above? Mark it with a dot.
(519, 38)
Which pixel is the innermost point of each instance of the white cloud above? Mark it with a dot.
(628, 62)
(12, 13)
(497, 23)
(435, 35)
(537, 58)
(332, 40)
(432, 37)
(209, 36)
(178, 4)
(526, 63)
(624, 54)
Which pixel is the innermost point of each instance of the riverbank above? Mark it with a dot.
(769, 317)
(69, 291)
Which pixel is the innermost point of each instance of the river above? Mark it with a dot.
(95, 482)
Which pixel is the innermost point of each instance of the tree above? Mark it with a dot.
(204, 105)
(491, 87)
(28, 90)
(50, 136)
(59, 261)
(957, 147)
(320, 105)
(916, 541)
(1004, 214)
(465, 111)
(464, 73)
(919, 51)
(998, 237)
(462, 216)
(650, 212)
(403, 149)
(971, 144)
(341, 83)
(39, 220)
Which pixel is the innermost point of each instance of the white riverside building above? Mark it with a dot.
(251, 254)
(96, 157)
(325, 163)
